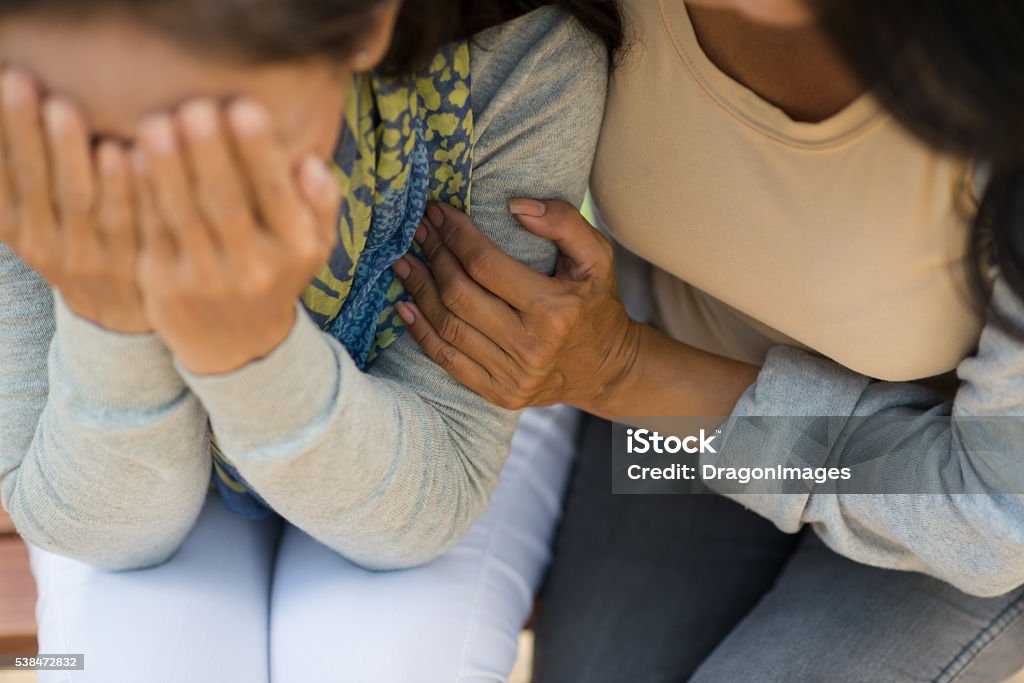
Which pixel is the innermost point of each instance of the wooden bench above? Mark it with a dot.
(17, 593)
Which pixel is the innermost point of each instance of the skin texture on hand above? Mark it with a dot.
(65, 208)
(521, 339)
(231, 235)
(71, 204)
(208, 241)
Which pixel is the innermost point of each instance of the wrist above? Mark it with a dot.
(619, 369)
(215, 357)
(126, 319)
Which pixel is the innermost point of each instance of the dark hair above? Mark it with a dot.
(456, 19)
(952, 72)
(285, 30)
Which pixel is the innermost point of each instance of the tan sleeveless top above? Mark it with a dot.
(846, 237)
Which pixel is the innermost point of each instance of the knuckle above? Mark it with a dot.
(445, 358)
(310, 252)
(480, 264)
(451, 329)
(260, 277)
(513, 400)
(453, 294)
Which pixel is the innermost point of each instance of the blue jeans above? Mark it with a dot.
(646, 589)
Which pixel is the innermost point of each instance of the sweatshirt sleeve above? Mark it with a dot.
(102, 452)
(963, 520)
(389, 468)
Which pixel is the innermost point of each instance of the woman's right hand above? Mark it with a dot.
(66, 208)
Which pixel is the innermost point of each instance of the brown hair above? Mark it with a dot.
(285, 30)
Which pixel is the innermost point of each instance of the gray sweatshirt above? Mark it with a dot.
(104, 449)
(975, 540)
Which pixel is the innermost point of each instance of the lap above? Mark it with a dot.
(665, 588)
(829, 618)
(204, 615)
(455, 619)
(644, 587)
(199, 617)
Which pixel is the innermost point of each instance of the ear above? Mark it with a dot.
(374, 45)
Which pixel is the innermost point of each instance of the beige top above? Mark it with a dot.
(845, 237)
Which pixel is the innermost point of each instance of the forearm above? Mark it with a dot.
(656, 375)
(936, 450)
(387, 469)
(104, 455)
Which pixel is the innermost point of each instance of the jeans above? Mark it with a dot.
(245, 602)
(650, 589)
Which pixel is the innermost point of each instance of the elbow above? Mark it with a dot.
(107, 558)
(397, 554)
(125, 562)
(406, 546)
(990, 578)
(105, 552)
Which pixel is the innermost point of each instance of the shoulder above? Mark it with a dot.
(541, 61)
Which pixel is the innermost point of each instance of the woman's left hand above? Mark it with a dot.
(232, 232)
(517, 337)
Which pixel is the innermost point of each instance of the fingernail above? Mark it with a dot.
(200, 118)
(158, 132)
(405, 313)
(421, 234)
(248, 117)
(401, 268)
(17, 88)
(435, 215)
(56, 115)
(315, 172)
(527, 207)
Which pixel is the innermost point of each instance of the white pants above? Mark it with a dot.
(247, 601)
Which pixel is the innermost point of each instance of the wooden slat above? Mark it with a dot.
(17, 597)
(6, 525)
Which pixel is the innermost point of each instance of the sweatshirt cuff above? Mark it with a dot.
(116, 371)
(792, 383)
(267, 401)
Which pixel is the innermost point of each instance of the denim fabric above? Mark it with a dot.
(650, 589)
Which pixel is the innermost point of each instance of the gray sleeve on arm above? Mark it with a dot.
(391, 468)
(102, 454)
(974, 541)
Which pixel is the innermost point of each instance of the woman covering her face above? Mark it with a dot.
(199, 205)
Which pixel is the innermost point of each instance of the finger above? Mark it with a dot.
(501, 274)
(73, 184)
(321, 189)
(217, 181)
(563, 224)
(455, 330)
(448, 357)
(268, 171)
(115, 214)
(167, 178)
(27, 160)
(460, 293)
(158, 248)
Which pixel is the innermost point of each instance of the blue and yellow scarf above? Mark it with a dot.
(404, 141)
